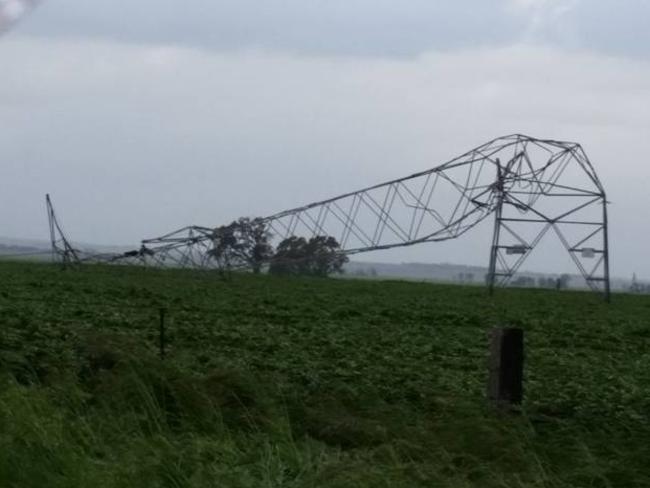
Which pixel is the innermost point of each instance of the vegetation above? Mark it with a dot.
(242, 243)
(301, 382)
(318, 256)
(245, 244)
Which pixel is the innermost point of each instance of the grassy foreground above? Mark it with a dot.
(271, 382)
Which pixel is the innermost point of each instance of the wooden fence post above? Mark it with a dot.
(162, 332)
(506, 367)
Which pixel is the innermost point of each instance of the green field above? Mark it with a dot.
(271, 382)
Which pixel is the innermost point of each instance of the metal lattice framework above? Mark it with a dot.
(188, 247)
(530, 186)
(62, 250)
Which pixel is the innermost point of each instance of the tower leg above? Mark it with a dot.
(494, 251)
(606, 252)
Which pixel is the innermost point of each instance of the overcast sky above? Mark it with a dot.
(142, 117)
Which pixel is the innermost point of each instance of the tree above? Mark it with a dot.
(324, 256)
(563, 281)
(242, 243)
(253, 247)
(223, 245)
(465, 277)
(634, 286)
(290, 257)
(545, 282)
(524, 281)
(318, 256)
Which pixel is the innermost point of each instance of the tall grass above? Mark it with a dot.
(311, 383)
(134, 421)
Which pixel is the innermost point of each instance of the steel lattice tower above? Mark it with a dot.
(531, 187)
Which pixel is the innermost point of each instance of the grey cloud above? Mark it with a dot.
(612, 27)
(384, 28)
(326, 27)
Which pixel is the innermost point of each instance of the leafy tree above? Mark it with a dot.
(223, 247)
(253, 247)
(290, 257)
(318, 256)
(324, 256)
(242, 243)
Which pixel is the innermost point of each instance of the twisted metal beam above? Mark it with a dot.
(62, 250)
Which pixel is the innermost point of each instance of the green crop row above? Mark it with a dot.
(271, 381)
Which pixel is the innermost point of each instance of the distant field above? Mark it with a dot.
(311, 382)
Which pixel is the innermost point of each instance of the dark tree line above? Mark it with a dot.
(245, 243)
(318, 256)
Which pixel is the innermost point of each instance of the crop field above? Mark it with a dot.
(274, 382)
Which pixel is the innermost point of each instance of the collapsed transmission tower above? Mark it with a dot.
(62, 250)
(530, 186)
